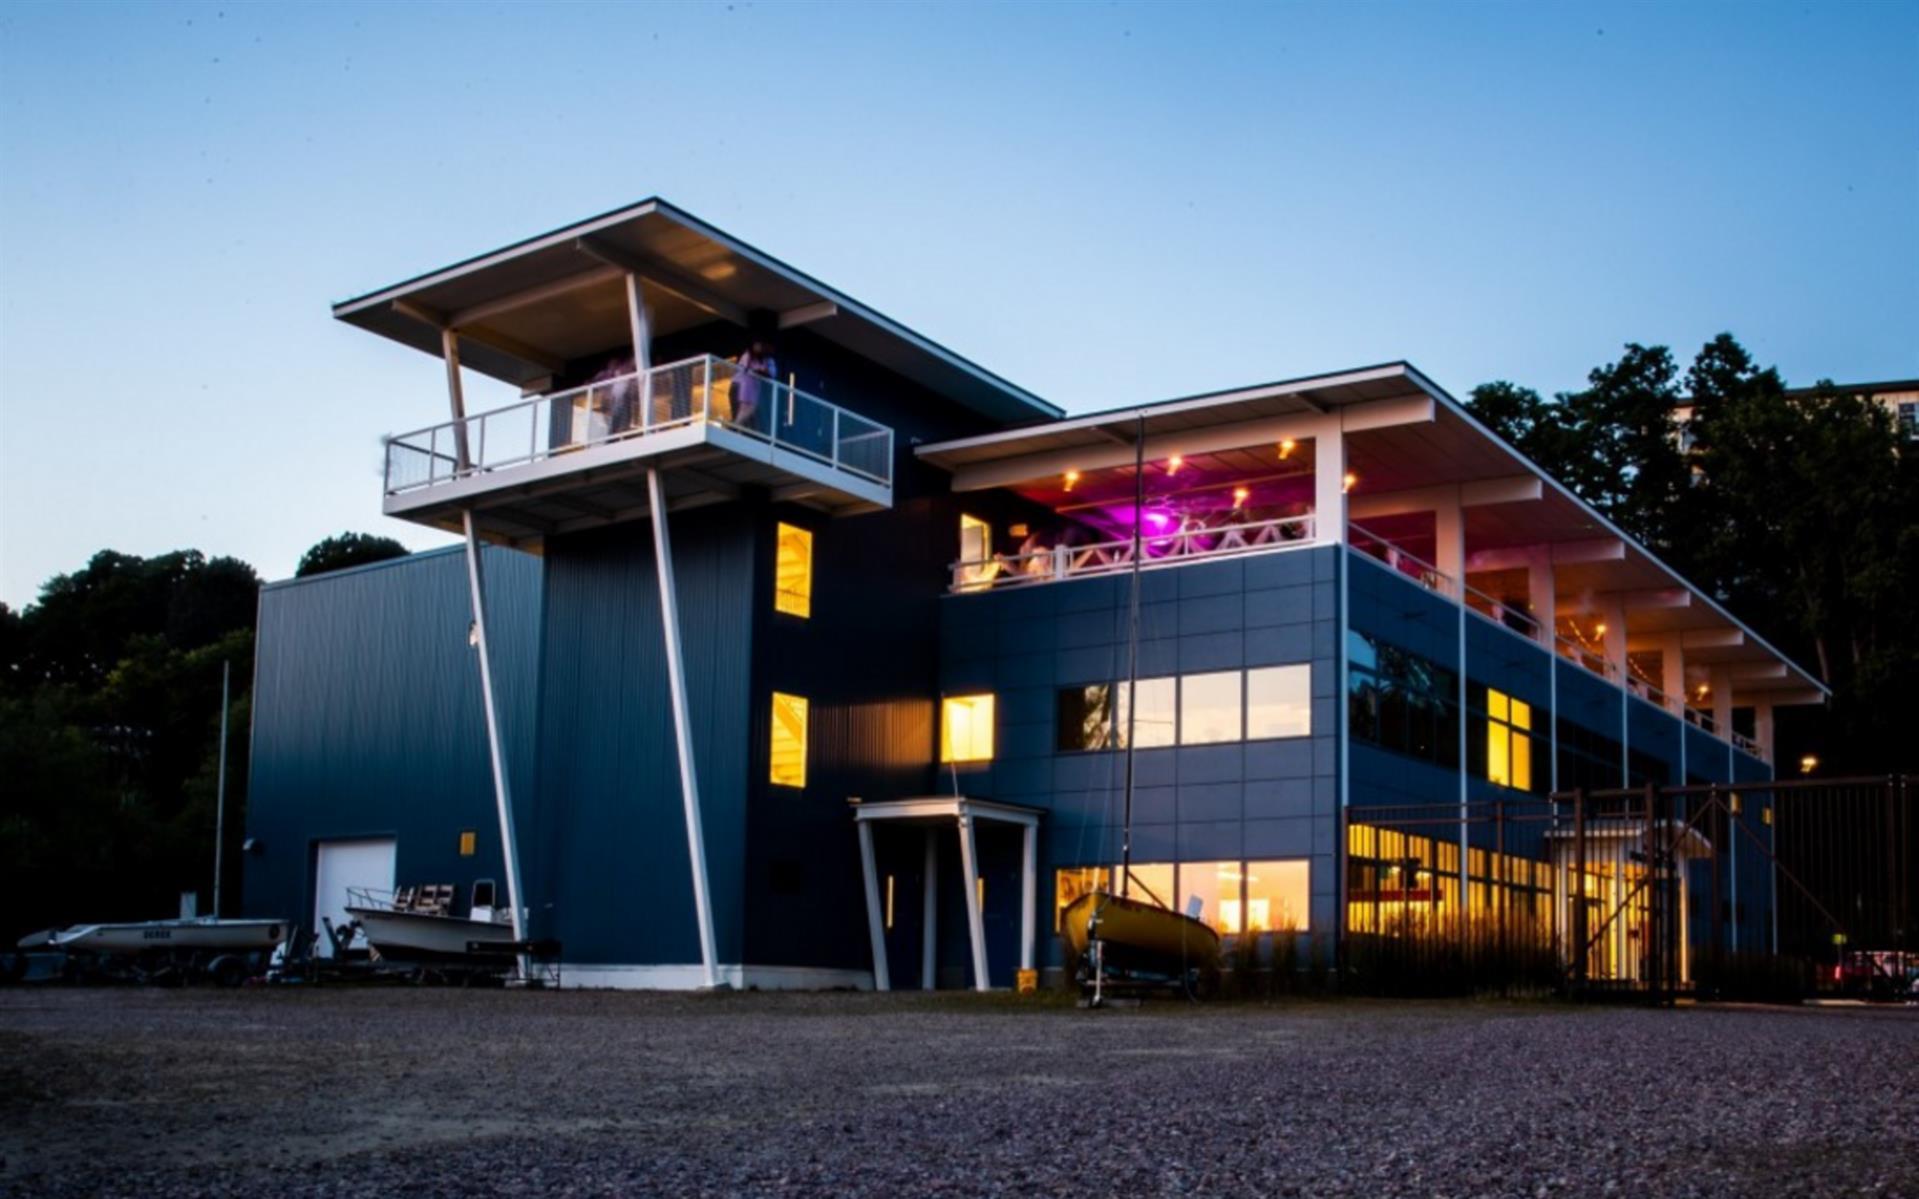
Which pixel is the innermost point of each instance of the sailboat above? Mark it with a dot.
(1116, 937)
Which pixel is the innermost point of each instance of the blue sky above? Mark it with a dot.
(1106, 203)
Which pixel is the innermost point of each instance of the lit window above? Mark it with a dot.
(469, 843)
(793, 571)
(976, 565)
(1211, 892)
(889, 902)
(1156, 722)
(1276, 896)
(1085, 717)
(1151, 882)
(966, 729)
(788, 756)
(1209, 708)
(1509, 744)
(1279, 702)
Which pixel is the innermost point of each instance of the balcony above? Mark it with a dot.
(576, 458)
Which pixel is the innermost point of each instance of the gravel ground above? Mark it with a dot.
(372, 1092)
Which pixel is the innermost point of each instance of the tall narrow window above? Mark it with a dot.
(793, 571)
(788, 755)
(1085, 717)
(975, 552)
(966, 729)
(1509, 745)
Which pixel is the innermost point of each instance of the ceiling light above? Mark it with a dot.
(1072, 477)
(1174, 463)
(1286, 448)
(1239, 497)
(1347, 483)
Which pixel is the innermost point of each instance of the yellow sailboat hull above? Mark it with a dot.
(1139, 938)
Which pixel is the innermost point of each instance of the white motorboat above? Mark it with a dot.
(204, 934)
(416, 924)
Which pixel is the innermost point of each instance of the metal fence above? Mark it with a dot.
(1773, 890)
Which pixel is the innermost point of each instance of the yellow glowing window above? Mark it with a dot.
(469, 843)
(889, 901)
(793, 571)
(788, 757)
(966, 729)
(976, 565)
(1509, 744)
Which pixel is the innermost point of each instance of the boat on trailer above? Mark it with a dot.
(156, 951)
(1119, 939)
(417, 925)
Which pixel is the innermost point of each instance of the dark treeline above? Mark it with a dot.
(1799, 512)
(109, 732)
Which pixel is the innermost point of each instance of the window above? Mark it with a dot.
(1155, 723)
(966, 728)
(483, 893)
(469, 843)
(1509, 743)
(1400, 701)
(788, 754)
(1588, 759)
(1277, 896)
(793, 571)
(1085, 718)
(1209, 708)
(976, 551)
(1909, 420)
(1279, 702)
(1074, 881)
(1210, 893)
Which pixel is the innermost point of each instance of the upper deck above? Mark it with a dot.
(573, 458)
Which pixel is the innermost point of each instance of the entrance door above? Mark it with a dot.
(364, 862)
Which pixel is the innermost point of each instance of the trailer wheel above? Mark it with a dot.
(227, 970)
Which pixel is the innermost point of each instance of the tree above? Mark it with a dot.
(347, 549)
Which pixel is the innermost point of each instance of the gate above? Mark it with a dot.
(1772, 890)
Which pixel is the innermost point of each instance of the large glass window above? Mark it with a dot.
(1278, 896)
(1152, 882)
(1211, 892)
(788, 752)
(1086, 717)
(976, 552)
(966, 728)
(1209, 708)
(1156, 722)
(1279, 702)
(1074, 881)
(1400, 701)
(793, 571)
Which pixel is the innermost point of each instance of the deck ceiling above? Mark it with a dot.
(528, 309)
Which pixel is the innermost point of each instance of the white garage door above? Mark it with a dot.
(366, 862)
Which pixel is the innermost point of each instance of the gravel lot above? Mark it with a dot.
(350, 1092)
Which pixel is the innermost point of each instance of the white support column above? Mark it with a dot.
(642, 333)
(1028, 894)
(1672, 669)
(489, 701)
(975, 923)
(1721, 683)
(930, 914)
(1540, 594)
(682, 726)
(1329, 482)
(502, 792)
(875, 923)
(1449, 542)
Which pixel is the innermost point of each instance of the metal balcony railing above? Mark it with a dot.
(1055, 563)
(679, 394)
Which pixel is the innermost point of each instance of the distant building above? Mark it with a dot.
(817, 676)
(1900, 397)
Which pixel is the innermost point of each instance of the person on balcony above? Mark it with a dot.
(753, 385)
(618, 397)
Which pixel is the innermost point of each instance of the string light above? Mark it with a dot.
(1072, 478)
(1239, 497)
(1809, 763)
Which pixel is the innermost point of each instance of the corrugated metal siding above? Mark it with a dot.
(367, 719)
(613, 872)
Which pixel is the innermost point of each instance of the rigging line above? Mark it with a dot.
(1132, 649)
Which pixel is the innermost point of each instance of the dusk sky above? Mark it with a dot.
(1105, 203)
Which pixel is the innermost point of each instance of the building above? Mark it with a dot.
(818, 679)
(1900, 397)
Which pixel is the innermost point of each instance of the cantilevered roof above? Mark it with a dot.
(525, 310)
(1405, 436)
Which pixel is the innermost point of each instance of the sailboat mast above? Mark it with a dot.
(220, 801)
(1132, 652)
